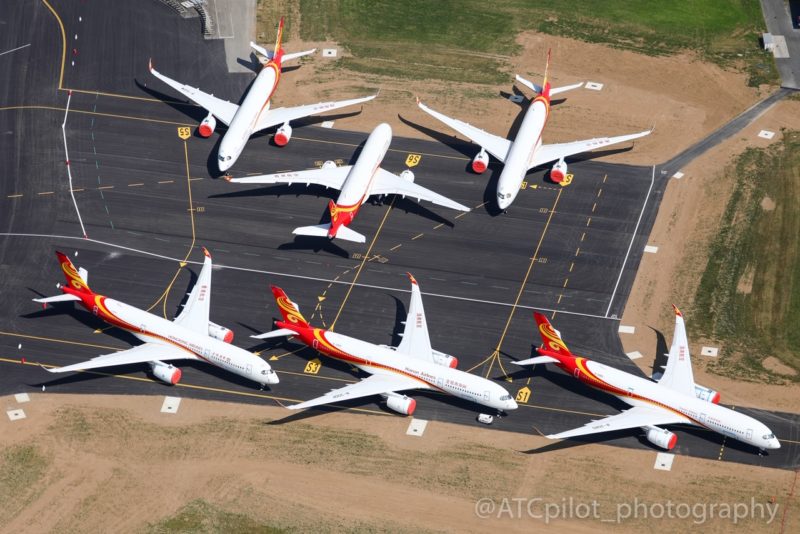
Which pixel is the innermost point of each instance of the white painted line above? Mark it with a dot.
(15, 415)
(766, 134)
(652, 249)
(664, 461)
(326, 124)
(22, 397)
(329, 52)
(594, 86)
(170, 405)
(626, 329)
(678, 175)
(710, 351)
(14, 49)
(635, 355)
(416, 427)
(633, 238)
(516, 98)
(69, 172)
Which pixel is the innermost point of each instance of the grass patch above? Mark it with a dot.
(469, 40)
(749, 294)
(21, 469)
(202, 516)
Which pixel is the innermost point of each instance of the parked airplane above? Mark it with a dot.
(253, 115)
(673, 399)
(191, 336)
(527, 150)
(413, 364)
(356, 183)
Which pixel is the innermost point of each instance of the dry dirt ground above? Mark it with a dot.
(116, 464)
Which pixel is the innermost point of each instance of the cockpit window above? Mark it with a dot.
(505, 397)
(769, 436)
(221, 157)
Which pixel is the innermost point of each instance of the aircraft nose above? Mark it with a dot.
(774, 444)
(512, 405)
(272, 378)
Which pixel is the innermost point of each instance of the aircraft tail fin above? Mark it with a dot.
(545, 82)
(277, 56)
(77, 279)
(289, 310)
(551, 338)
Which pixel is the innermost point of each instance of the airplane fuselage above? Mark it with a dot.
(152, 328)
(379, 359)
(520, 154)
(638, 391)
(254, 105)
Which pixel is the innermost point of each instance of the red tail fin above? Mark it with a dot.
(336, 218)
(276, 57)
(545, 83)
(291, 314)
(551, 339)
(74, 279)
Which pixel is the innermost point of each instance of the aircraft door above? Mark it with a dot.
(749, 433)
(440, 382)
(486, 396)
(250, 369)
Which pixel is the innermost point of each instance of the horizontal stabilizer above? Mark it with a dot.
(295, 55)
(276, 333)
(564, 89)
(321, 230)
(535, 360)
(553, 90)
(66, 297)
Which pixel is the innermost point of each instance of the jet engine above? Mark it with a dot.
(220, 332)
(559, 171)
(445, 360)
(661, 437)
(706, 394)
(283, 135)
(400, 403)
(166, 372)
(327, 165)
(207, 126)
(407, 175)
(480, 162)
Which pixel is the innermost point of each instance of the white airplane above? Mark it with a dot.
(254, 114)
(673, 399)
(527, 150)
(191, 336)
(411, 365)
(356, 183)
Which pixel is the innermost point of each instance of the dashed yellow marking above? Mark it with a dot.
(395, 247)
(565, 282)
(77, 190)
(106, 187)
(417, 236)
(139, 184)
(15, 196)
(571, 266)
(604, 178)
(599, 191)
(438, 226)
(578, 251)
(583, 236)
(560, 296)
(46, 193)
(460, 215)
(193, 179)
(167, 181)
(594, 206)
(588, 221)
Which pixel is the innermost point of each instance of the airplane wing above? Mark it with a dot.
(329, 177)
(373, 385)
(221, 109)
(139, 354)
(494, 145)
(638, 416)
(678, 374)
(387, 183)
(281, 115)
(416, 342)
(548, 153)
(196, 311)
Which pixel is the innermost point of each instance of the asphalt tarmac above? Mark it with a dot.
(149, 199)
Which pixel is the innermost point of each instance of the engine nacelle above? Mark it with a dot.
(401, 403)
(407, 175)
(445, 360)
(480, 162)
(283, 135)
(207, 126)
(328, 164)
(661, 437)
(706, 394)
(166, 372)
(559, 171)
(220, 332)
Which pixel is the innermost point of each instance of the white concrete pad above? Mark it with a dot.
(766, 134)
(14, 415)
(664, 461)
(626, 329)
(651, 249)
(678, 175)
(594, 86)
(416, 427)
(22, 397)
(516, 98)
(710, 351)
(170, 405)
(326, 124)
(781, 51)
(635, 355)
(329, 52)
